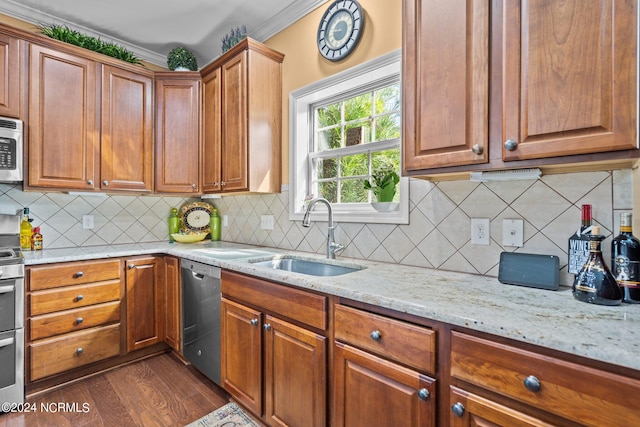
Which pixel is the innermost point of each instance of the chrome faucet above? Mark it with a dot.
(332, 246)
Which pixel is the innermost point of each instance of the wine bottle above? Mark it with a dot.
(594, 283)
(578, 252)
(625, 260)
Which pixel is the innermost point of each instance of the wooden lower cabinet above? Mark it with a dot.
(172, 303)
(145, 302)
(274, 367)
(471, 410)
(380, 367)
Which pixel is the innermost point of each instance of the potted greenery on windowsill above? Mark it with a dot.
(383, 185)
(181, 59)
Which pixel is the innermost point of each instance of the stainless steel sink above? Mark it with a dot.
(306, 266)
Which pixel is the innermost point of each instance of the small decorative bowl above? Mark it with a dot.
(189, 238)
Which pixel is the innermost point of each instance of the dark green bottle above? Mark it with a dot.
(625, 260)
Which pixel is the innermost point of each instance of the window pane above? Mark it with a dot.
(352, 191)
(328, 139)
(387, 99)
(388, 127)
(327, 168)
(328, 190)
(329, 115)
(358, 107)
(357, 164)
(358, 133)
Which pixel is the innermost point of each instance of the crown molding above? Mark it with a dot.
(32, 16)
(298, 10)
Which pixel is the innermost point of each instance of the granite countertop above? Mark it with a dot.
(552, 319)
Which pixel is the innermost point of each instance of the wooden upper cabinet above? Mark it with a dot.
(445, 83)
(234, 123)
(177, 168)
(127, 131)
(569, 77)
(10, 76)
(63, 131)
(242, 110)
(211, 128)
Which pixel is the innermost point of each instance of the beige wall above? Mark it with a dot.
(303, 64)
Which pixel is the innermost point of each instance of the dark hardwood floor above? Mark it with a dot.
(159, 391)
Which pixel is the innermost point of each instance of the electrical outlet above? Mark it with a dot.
(225, 220)
(87, 222)
(480, 233)
(513, 232)
(266, 222)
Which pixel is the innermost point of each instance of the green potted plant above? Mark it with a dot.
(384, 179)
(181, 59)
(233, 38)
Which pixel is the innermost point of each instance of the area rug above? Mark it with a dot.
(230, 415)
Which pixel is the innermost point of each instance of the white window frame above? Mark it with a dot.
(301, 102)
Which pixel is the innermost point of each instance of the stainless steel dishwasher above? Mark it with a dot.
(201, 317)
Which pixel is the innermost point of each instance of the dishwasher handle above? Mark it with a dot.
(197, 275)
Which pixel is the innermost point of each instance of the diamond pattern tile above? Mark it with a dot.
(437, 235)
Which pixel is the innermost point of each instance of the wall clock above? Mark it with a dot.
(340, 29)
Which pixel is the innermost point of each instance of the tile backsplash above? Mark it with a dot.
(437, 236)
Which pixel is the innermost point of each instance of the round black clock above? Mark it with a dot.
(340, 29)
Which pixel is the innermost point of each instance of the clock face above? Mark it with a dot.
(340, 29)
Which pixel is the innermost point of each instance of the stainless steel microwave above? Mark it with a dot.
(11, 154)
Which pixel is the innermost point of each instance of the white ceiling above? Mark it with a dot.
(151, 28)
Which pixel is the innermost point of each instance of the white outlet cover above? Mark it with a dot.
(513, 232)
(480, 231)
(266, 222)
(87, 222)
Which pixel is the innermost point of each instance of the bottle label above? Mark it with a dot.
(626, 272)
(578, 253)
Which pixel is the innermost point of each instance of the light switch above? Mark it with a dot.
(266, 222)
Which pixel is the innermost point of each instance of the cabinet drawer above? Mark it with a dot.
(69, 274)
(295, 304)
(53, 300)
(400, 341)
(62, 322)
(604, 398)
(52, 356)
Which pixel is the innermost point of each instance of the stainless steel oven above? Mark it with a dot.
(11, 311)
(11, 150)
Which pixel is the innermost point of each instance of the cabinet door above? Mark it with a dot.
(445, 83)
(144, 303)
(241, 358)
(63, 134)
(370, 391)
(9, 76)
(469, 410)
(234, 124)
(570, 77)
(212, 131)
(173, 303)
(177, 136)
(295, 371)
(127, 131)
